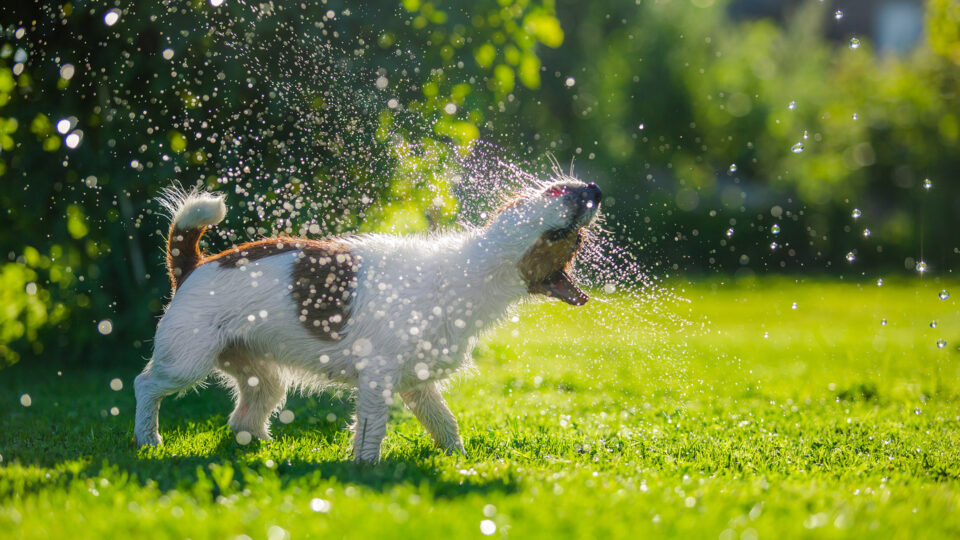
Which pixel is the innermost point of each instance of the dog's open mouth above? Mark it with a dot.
(545, 267)
(560, 285)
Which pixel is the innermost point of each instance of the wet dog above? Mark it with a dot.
(386, 315)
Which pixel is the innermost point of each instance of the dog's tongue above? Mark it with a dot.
(559, 285)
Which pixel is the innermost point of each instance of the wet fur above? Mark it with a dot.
(412, 309)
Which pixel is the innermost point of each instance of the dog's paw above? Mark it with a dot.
(149, 439)
(456, 449)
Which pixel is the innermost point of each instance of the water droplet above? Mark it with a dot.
(320, 505)
(570, 82)
(879, 282)
(729, 232)
(883, 322)
(733, 168)
(941, 343)
(105, 327)
(805, 135)
(244, 438)
(774, 245)
(111, 17)
(114, 411)
(856, 213)
(67, 71)
(609, 288)
(851, 256)
(921, 267)
(26, 400)
(927, 183)
(285, 416)
(866, 233)
(775, 228)
(253, 381)
(216, 3)
(797, 148)
(944, 294)
(933, 324)
(838, 15)
(640, 127)
(854, 43)
(766, 335)
(116, 385)
(488, 527)
(450, 108)
(855, 116)
(63, 126)
(793, 306)
(792, 105)
(72, 140)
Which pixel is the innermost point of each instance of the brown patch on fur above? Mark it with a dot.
(323, 283)
(183, 253)
(547, 257)
(324, 286)
(545, 267)
(251, 251)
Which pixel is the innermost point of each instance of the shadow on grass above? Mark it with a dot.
(70, 431)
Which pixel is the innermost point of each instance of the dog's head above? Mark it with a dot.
(546, 228)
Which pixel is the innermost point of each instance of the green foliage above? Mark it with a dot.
(943, 25)
(833, 426)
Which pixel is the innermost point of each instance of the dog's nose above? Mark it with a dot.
(591, 193)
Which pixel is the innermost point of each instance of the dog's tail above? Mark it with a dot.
(191, 212)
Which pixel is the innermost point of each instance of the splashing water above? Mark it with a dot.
(309, 151)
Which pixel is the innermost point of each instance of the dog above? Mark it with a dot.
(383, 314)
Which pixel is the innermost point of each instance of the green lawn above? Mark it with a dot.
(611, 420)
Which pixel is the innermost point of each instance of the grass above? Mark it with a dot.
(769, 421)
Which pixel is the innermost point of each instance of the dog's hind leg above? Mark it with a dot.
(260, 390)
(175, 367)
(428, 406)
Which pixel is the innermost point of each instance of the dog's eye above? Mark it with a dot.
(556, 191)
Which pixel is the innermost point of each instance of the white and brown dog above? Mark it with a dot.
(383, 314)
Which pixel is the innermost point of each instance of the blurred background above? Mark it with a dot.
(731, 138)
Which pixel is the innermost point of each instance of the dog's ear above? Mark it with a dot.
(560, 286)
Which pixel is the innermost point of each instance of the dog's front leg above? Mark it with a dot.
(372, 414)
(428, 406)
